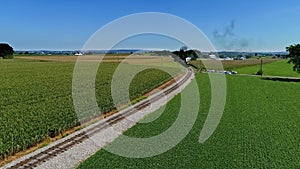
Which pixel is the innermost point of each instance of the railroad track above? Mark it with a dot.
(67, 144)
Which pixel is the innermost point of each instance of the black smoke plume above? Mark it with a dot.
(229, 40)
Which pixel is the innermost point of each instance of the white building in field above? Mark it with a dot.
(243, 58)
(212, 56)
(78, 54)
(227, 58)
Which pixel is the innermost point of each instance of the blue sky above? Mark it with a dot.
(262, 25)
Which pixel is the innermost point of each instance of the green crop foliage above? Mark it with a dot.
(229, 64)
(36, 99)
(259, 129)
(279, 68)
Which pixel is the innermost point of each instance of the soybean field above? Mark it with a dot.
(260, 128)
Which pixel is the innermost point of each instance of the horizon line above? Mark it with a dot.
(145, 49)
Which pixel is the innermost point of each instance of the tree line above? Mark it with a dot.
(7, 52)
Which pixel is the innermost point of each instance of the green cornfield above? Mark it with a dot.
(36, 99)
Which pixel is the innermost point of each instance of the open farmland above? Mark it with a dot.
(230, 64)
(36, 99)
(279, 68)
(105, 58)
(259, 129)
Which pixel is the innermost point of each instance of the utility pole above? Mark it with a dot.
(261, 67)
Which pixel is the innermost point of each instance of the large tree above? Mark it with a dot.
(6, 51)
(183, 53)
(294, 55)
